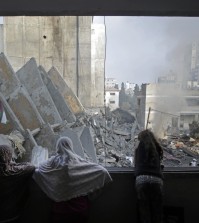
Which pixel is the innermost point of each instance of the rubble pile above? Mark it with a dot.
(180, 150)
(113, 136)
(41, 107)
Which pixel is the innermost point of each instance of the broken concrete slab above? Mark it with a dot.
(17, 100)
(4, 140)
(120, 132)
(123, 116)
(13, 122)
(31, 138)
(70, 98)
(191, 151)
(110, 142)
(24, 109)
(87, 131)
(62, 107)
(30, 77)
(79, 130)
(88, 144)
(8, 79)
(47, 138)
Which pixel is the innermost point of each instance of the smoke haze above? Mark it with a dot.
(139, 49)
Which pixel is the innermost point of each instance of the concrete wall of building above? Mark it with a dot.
(110, 82)
(98, 47)
(165, 100)
(194, 54)
(1, 38)
(84, 58)
(58, 41)
(141, 106)
(168, 100)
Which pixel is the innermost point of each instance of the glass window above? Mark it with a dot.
(151, 61)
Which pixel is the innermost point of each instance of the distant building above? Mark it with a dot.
(140, 106)
(194, 72)
(129, 85)
(111, 83)
(166, 105)
(193, 75)
(194, 55)
(129, 88)
(111, 93)
(112, 98)
(170, 78)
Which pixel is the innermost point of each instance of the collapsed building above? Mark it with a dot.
(40, 108)
(72, 49)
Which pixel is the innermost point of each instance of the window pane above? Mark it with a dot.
(134, 72)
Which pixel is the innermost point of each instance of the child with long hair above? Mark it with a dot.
(149, 177)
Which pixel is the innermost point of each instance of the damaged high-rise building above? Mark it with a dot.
(71, 44)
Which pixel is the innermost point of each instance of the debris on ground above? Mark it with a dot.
(40, 107)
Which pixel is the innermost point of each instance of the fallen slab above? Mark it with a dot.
(8, 79)
(30, 77)
(13, 122)
(191, 152)
(70, 98)
(16, 99)
(62, 107)
(47, 138)
(87, 143)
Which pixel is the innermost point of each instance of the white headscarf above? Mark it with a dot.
(66, 175)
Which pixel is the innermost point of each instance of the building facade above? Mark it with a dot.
(60, 41)
(98, 50)
(112, 98)
(164, 106)
(111, 83)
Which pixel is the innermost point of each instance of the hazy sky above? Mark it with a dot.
(139, 49)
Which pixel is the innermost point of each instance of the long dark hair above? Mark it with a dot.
(151, 145)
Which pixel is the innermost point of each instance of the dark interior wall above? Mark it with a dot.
(182, 194)
(100, 7)
(117, 203)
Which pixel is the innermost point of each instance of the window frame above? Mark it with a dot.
(101, 8)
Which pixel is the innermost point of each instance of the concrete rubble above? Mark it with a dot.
(41, 107)
(180, 150)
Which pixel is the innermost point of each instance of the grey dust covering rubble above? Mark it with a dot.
(40, 107)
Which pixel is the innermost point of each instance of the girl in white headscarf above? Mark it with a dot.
(68, 179)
